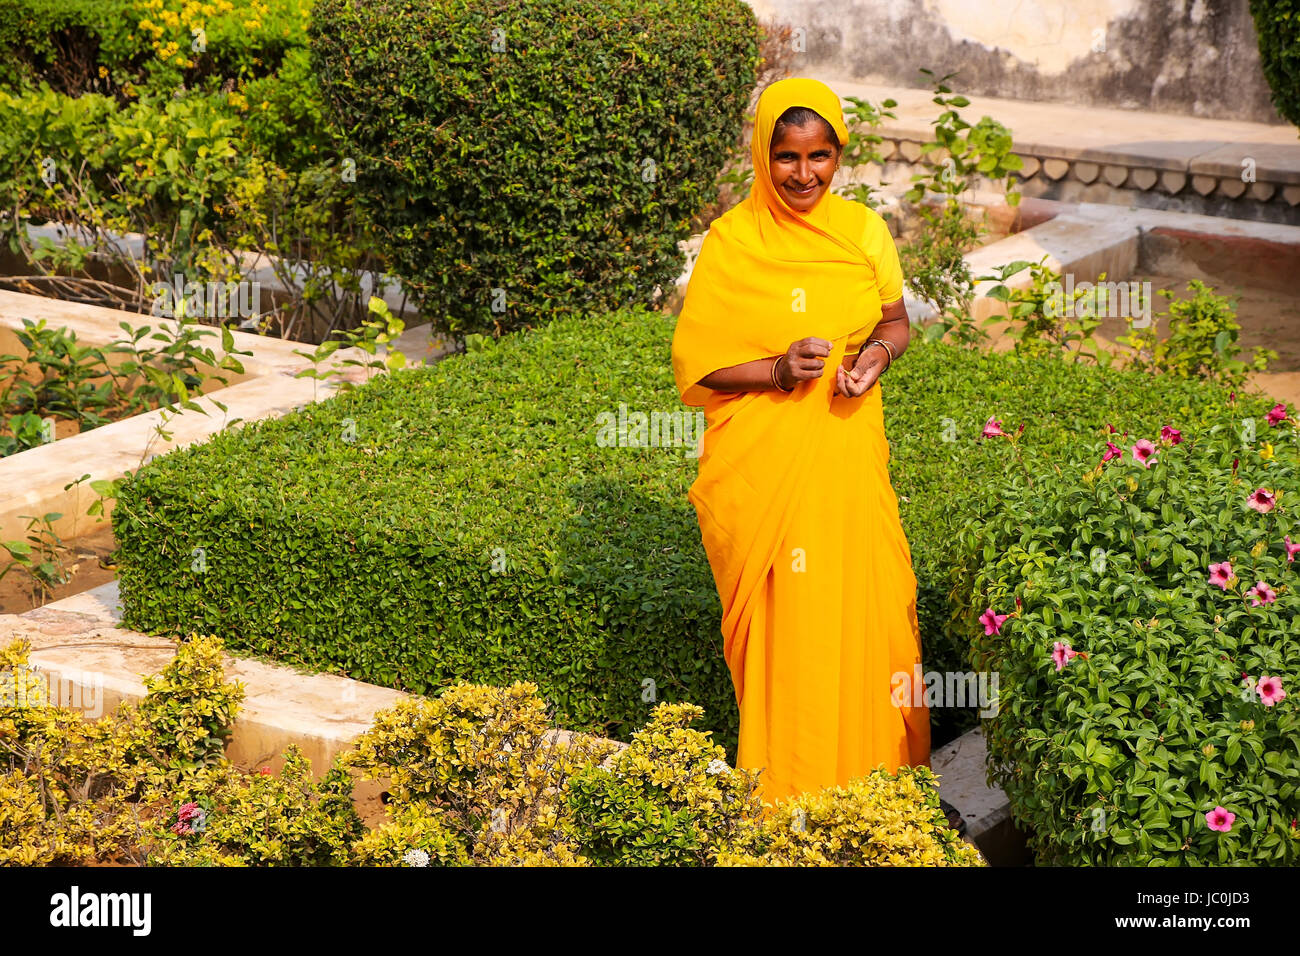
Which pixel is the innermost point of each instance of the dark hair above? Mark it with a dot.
(802, 116)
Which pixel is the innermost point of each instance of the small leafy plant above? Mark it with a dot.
(40, 557)
(1202, 341)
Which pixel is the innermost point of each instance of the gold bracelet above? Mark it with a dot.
(774, 380)
(888, 349)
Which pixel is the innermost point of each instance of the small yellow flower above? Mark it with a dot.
(1267, 451)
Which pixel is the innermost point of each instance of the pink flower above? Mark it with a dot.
(1269, 689)
(992, 428)
(181, 828)
(992, 622)
(1220, 819)
(265, 771)
(188, 812)
(1277, 414)
(1291, 549)
(1261, 593)
(1171, 435)
(1262, 501)
(1112, 451)
(1062, 654)
(1221, 574)
(1144, 451)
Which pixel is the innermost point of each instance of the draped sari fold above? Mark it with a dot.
(818, 617)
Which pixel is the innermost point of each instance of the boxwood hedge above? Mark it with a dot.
(1162, 742)
(463, 521)
(532, 159)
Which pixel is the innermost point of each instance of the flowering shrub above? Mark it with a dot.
(102, 781)
(1139, 609)
(263, 819)
(415, 835)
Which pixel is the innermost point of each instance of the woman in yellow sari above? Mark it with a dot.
(793, 311)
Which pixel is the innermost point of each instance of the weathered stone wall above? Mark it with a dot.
(1197, 57)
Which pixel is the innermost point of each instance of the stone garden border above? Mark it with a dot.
(32, 481)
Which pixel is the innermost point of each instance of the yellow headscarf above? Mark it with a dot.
(767, 275)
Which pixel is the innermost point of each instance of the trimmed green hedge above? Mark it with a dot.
(1116, 756)
(374, 557)
(1277, 27)
(535, 159)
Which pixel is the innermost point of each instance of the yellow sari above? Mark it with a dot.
(796, 511)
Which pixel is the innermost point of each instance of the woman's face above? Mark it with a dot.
(803, 160)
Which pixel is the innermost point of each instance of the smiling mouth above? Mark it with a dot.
(804, 191)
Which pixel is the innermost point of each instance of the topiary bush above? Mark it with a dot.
(527, 160)
(465, 522)
(1139, 612)
(1277, 27)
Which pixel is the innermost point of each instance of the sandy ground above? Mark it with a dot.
(80, 557)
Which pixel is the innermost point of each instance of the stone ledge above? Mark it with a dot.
(963, 782)
(1213, 174)
(79, 642)
(32, 481)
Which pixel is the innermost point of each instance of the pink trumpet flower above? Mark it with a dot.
(1221, 574)
(1262, 501)
(992, 622)
(1145, 452)
(1220, 819)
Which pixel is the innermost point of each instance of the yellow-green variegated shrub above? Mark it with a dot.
(476, 776)
(878, 820)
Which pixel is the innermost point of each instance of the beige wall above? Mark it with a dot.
(1197, 57)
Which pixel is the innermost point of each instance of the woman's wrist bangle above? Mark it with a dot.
(776, 382)
(889, 349)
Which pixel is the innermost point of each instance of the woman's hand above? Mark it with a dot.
(865, 372)
(804, 361)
